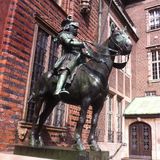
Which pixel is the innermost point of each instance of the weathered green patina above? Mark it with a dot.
(89, 87)
(144, 106)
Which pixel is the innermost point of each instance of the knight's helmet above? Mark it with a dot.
(69, 22)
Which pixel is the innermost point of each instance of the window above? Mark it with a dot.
(110, 116)
(154, 18)
(150, 93)
(57, 117)
(45, 55)
(155, 64)
(119, 120)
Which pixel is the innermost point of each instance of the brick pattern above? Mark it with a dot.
(141, 68)
(3, 15)
(18, 29)
(17, 40)
(88, 24)
(128, 85)
(16, 49)
(74, 117)
(112, 79)
(120, 81)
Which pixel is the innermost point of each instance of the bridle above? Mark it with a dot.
(117, 52)
(119, 48)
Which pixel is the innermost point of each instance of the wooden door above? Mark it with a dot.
(140, 140)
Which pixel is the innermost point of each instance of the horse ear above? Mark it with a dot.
(125, 29)
(113, 27)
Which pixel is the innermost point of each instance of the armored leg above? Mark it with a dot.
(61, 82)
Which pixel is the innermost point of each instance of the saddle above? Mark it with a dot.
(72, 75)
(93, 73)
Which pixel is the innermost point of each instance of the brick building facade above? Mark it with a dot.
(28, 26)
(28, 49)
(111, 123)
(145, 15)
(148, 42)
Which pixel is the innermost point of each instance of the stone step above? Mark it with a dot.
(60, 153)
(127, 158)
(6, 156)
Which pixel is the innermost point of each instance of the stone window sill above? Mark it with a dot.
(24, 124)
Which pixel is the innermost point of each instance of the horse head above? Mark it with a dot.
(120, 42)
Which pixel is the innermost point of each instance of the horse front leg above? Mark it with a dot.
(78, 133)
(34, 138)
(95, 115)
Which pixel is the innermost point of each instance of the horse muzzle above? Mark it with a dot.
(127, 48)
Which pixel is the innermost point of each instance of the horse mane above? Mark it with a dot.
(101, 47)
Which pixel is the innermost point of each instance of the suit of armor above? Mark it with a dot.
(71, 53)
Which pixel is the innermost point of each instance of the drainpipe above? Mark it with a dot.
(99, 21)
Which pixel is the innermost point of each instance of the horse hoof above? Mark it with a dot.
(34, 144)
(41, 143)
(94, 146)
(79, 147)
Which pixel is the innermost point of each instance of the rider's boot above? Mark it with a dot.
(60, 83)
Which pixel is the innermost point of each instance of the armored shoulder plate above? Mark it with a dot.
(65, 37)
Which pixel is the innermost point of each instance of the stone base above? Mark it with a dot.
(60, 153)
(10, 156)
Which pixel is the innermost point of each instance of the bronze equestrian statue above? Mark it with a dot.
(88, 87)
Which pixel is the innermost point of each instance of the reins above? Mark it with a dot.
(117, 53)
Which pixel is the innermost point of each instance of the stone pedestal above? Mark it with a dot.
(60, 153)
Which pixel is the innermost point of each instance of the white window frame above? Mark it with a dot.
(119, 119)
(155, 62)
(150, 93)
(154, 19)
(109, 104)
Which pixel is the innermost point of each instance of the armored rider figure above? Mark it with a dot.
(72, 53)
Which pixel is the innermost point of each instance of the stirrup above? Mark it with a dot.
(64, 92)
(57, 92)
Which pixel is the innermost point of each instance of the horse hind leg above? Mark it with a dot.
(34, 135)
(50, 104)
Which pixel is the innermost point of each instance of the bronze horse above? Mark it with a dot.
(88, 88)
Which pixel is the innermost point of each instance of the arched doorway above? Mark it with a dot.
(140, 143)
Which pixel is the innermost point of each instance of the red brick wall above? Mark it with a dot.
(3, 15)
(128, 86)
(88, 23)
(120, 81)
(16, 52)
(141, 81)
(112, 79)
